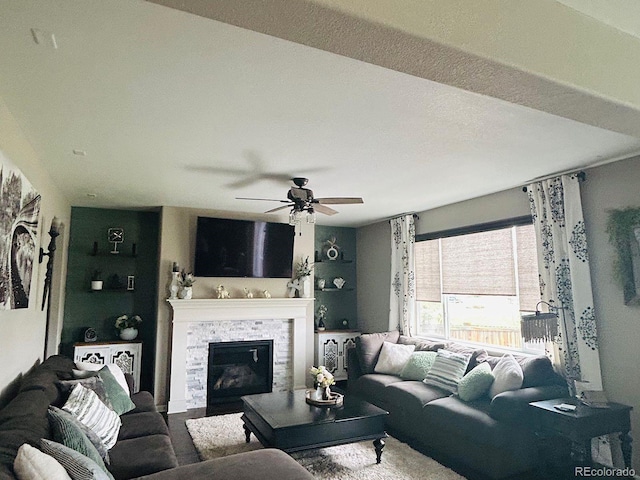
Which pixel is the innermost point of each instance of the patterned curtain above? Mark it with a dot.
(403, 279)
(565, 282)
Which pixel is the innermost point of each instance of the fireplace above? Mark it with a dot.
(238, 368)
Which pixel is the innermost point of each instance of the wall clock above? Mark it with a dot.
(90, 335)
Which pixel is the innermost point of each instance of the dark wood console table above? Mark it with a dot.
(584, 423)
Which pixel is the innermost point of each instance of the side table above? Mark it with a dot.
(584, 423)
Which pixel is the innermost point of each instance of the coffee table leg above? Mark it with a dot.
(247, 432)
(379, 445)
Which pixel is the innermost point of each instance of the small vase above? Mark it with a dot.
(96, 284)
(186, 293)
(128, 333)
(305, 287)
(174, 286)
(326, 393)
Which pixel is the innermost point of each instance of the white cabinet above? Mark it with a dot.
(331, 350)
(127, 355)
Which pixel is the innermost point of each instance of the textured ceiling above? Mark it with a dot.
(176, 109)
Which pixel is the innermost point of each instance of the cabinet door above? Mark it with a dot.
(345, 344)
(98, 354)
(127, 357)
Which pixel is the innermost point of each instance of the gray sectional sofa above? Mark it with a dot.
(143, 448)
(485, 438)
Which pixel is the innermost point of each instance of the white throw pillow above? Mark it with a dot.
(113, 368)
(508, 376)
(393, 357)
(447, 370)
(32, 464)
(85, 405)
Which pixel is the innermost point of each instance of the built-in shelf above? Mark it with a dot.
(335, 289)
(121, 290)
(338, 260)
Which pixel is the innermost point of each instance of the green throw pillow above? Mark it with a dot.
(476, 383)
(120, 400)
(418, 365)
(69, 431)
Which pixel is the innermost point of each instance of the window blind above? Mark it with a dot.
(427, 260)
(529, 285)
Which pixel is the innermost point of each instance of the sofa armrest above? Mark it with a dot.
(355, 370)
(130, 381)
(513, 406)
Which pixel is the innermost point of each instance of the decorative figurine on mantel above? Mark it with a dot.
(266, 294)
(248, 293)
(187, 279)
(222, 292)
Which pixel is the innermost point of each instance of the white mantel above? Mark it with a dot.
(212, 310)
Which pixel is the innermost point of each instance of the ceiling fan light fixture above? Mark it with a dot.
(311, 215)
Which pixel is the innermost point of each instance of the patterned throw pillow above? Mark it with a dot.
(508, 375)
(447, 370)
(85, 405)
(393, 357)
(476, 383)
(418, 365)
(77, 465)
(31, 463)
(69, 431)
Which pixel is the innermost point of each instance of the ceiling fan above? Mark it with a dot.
(301, 199)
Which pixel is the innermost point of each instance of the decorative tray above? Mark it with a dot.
(336, 399)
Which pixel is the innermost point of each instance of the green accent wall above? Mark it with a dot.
(340, 304)
(99, 310)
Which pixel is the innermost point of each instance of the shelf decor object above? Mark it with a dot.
(334, 400)
(115, 235)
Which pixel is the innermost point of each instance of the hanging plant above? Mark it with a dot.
(620, 228)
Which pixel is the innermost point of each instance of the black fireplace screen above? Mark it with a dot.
(239, 368)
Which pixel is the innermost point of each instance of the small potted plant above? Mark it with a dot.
(128, 326)
(96, 280)
(187, 279)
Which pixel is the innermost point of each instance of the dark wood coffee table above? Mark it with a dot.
(284, 420)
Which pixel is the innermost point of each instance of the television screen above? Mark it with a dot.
(243, 248)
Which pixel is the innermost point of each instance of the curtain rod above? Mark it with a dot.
(415, 216)
(582, 177)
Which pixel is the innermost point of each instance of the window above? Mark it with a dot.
(475, 286)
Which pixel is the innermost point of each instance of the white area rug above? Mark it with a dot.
(223, 435)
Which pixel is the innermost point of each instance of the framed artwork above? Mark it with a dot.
(624, 235)
(18, 235)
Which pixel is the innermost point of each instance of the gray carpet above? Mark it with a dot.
(223, 435)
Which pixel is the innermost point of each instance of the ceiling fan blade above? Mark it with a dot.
(263, 199)
(338, 200)
(273, 210)
(323, 209)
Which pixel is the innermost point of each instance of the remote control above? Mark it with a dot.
(565, 407)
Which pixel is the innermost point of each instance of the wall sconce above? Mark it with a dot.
(54, 231)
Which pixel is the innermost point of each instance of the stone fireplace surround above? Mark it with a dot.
(196, 320)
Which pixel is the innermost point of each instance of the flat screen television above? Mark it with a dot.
(243, 248)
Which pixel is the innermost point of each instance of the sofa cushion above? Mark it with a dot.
(393, 357)
(412, 396)
(143, 401)
(33, 464)
(87, 408)
(67, 430)
(537, 370)
(127, 461)
(368, 346)
(421, 344)
(507, 376)
(447, 370)
(418, 365)
(372, 388)
(141, 424)
(476, 383)
(77, 465)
